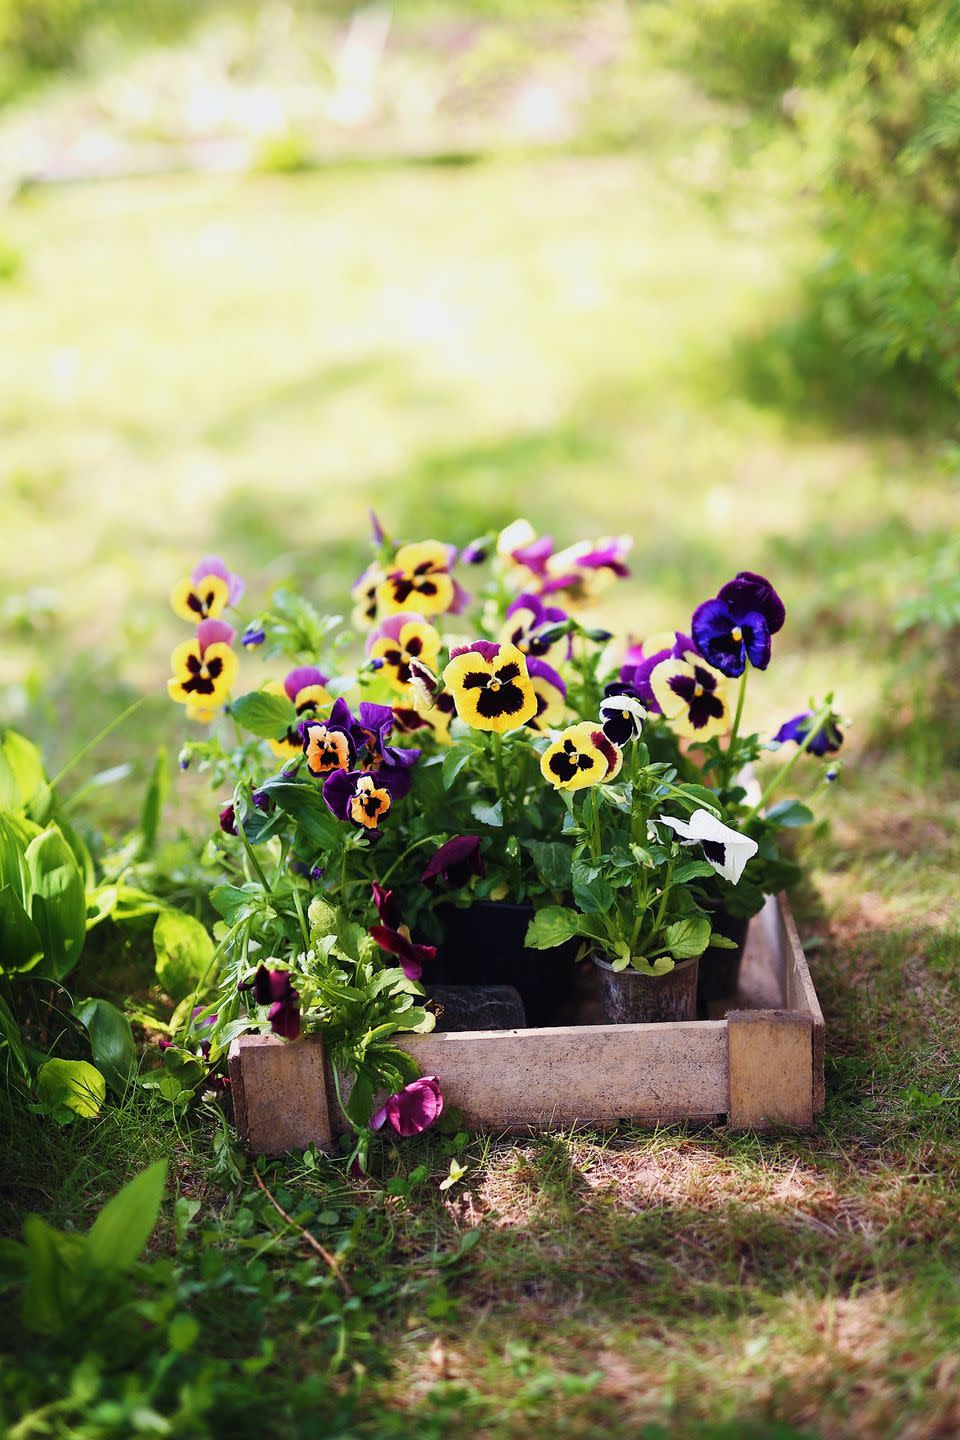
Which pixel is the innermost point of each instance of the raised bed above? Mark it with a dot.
(757, 1062)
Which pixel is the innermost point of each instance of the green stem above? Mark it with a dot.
(252, 858)
(298, 906)
(501, 776)
(424, 840)
(732, 743)
(816, 725)
(91, 744)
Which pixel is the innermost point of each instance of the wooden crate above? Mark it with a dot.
(759, 1065)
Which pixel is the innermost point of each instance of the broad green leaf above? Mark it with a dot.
(125, 1224)
(21, 771)
(58, 905)
(111, 1041)
(551, 926)
(72, 1083)
(154, 799)
(45, 1295)
(790, 814)
(304, 802)
(263, 714)
(20, 942)
(552, 859)
(591, 891)
(183, 949)
(229, 900)
(688, 937)
(13, 864)
(692, 870)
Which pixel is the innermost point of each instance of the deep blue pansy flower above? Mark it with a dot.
(737, 624)
(827, 740)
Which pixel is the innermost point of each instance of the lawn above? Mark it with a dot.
(244, 364)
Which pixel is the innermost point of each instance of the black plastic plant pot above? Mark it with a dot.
(720, 968)
(631, 998)
(483, 945)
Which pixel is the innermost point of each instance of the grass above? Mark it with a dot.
(243, 365)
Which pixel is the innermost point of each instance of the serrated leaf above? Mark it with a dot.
(551, 926)
(486, 814)
(688, 937)
(265, 714)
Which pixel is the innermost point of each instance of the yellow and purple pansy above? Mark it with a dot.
(640, 661)
(584, 569)
(419, 579)
(692, 696)
(204, 668)
(206, 592)
(327, 744)
(400, 640)
(580, 756)
(306, 688)
(551, 692)
(526, 624)
(364, 592)
(490, 686)
(359, 797)
(437, 717)
(736, 626)
(521, 550)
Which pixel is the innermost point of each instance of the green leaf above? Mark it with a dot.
(183, 950)
(21, 771)
(552, 859)
(263, 714)
(58, 905)
(696, 796)
(789, 814)
(592, 892)
(304, 803)
(125, 1224)
(10, 1033)
(551, 926)
(229, 900)
(688, 937)
(111, 1041)
(20, 942)
(692, 870)
(153, 802)
(721, 942)
(453, 762)
(73, 1084)
(486, 814)
(45, 1295)
(13, 864)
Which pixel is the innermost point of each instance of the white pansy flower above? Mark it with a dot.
(621, 718)
(726, 850)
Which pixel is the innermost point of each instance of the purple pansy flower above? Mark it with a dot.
(304, 677)
(275, 989)
(361, 797)
(413, 1109)
(455, 862)
(827, 740)
(253, 636)
(213, 565)
(737, 624)
(476, 552)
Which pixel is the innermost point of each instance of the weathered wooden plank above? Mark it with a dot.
(770, 1069)
(280, 1094)
(591, 1074)
(801, 994)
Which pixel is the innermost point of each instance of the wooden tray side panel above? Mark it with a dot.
(597, 1074)
(800, 993)
(771, 1069)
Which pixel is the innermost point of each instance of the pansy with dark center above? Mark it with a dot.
(455, 863)
(827, 740)
(528, 621)
(306, 688)
(364, 592)
(692, 696)
(205, 667)
(621, 718)
(437, 719)
(551, 692)
(490, 686)
(581, 756)
(400, 640)
(736, 626)
(419, 580)
(727, 850)
(206, 592)
(327, 746)
(362, 798)
(640, 661)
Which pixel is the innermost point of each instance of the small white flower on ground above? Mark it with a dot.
(727, 850)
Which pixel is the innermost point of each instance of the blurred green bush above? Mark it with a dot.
(869, 91)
